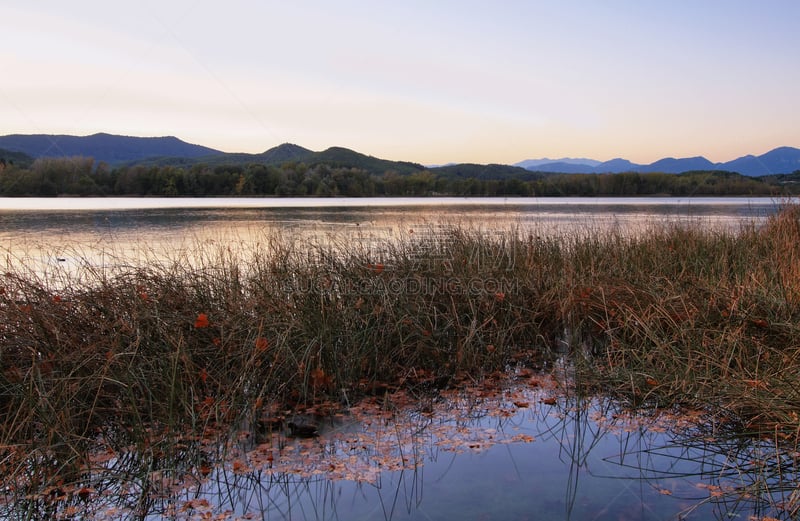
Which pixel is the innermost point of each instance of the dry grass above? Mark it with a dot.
(171, 349)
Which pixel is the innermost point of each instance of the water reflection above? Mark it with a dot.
(526, 449)
(56, 234)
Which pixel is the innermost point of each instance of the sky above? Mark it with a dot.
(418, 80)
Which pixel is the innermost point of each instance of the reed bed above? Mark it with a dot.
(183, 348)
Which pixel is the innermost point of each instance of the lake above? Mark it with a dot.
(43, 230)
(530, 449)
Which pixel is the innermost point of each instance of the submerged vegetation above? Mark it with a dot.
(155, 356)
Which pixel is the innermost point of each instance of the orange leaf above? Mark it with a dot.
(261, 344)
(203, 375)
(239, 467)
(376, 268)
(499, 296)
(201, 321)
(652, 382)
(550, 400)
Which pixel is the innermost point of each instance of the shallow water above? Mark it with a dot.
(525, 449)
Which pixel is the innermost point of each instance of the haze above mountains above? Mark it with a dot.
(122, 150)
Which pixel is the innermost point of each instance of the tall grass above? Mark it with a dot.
(188, 346)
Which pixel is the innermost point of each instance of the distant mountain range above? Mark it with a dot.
(782, 160)
(169, 150)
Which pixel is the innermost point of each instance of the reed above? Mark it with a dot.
(188, 346)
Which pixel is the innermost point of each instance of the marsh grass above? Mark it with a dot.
(168, 351)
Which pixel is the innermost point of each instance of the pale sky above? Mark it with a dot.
(425, 81)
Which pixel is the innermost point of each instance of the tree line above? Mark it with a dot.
(81, 176)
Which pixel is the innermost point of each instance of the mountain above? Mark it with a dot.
(344, 157)
(531, 164)
(274, 156)
(782, 160)
(7, 157)
(491, 171)
(672, 165)
(614, 166)
(169, 150)
(286, 152)
(112, 149)
(565, 168)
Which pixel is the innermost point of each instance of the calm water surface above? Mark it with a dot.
(126, 224)
(531, 451)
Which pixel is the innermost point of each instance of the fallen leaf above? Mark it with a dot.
(239, 467)
(201, 321)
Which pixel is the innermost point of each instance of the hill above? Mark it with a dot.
(338, 157)
(486, 172)
(112, 149)
(171, 151)
(335, 157)
(274, 156)
(8, 157)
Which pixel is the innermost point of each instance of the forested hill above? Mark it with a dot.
(114, 150)
(340, 173)
(9, 158)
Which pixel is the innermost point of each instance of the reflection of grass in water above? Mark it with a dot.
(386, 443)
(707, 319)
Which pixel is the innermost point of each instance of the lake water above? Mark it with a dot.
(526, 452)
(528, 449)
(51, 230)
